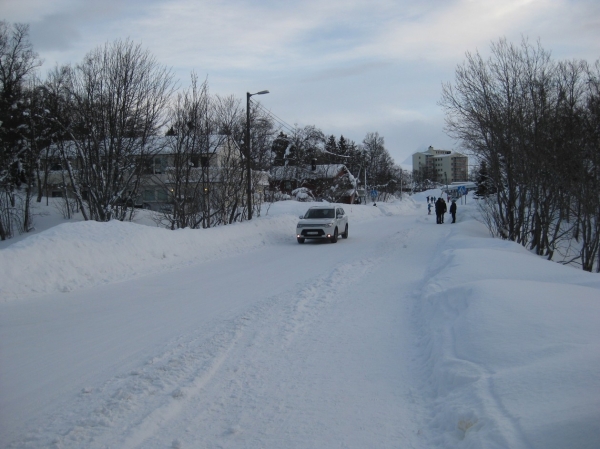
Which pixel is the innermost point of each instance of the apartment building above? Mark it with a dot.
(155, 177)
(441, 166)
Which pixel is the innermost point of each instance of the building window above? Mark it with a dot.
(148, 195)
(162, 195)
(160, 163)
(147, 166)
(55, 165)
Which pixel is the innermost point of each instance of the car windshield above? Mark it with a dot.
(320, 213)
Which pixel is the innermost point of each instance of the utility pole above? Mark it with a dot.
(446, 175)
(248, 152)
(401, 176)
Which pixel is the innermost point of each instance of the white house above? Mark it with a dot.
(155, 176)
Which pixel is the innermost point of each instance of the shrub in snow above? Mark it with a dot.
(303, 194)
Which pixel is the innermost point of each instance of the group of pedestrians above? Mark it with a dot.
(441, 208)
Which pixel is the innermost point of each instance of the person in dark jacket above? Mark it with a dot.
(439, 211)
(453, 211)
(444, 209)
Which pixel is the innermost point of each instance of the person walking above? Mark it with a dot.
(453, 211)
(444, 209)
(428, 208)
(438, 211)
(428, 199)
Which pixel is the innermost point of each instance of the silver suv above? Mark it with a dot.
(322, 222)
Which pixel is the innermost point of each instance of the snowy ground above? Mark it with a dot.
(407, 334)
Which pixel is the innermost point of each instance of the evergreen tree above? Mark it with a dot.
(279, 147)
(484, 186)
(342, 147)
(355, 159)
(17, 64)
(331, 150)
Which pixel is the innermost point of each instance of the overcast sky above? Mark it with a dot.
(348, 67)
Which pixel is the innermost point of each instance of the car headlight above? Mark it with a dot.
(329, 224)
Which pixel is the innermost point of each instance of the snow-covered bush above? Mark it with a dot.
(303, 194)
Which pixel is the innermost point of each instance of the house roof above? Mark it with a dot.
(451, 155)
(156, 145)
(326, 171)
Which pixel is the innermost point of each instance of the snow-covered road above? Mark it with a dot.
(285, 346)
(407, 334)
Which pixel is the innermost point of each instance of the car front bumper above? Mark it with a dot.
(315, 233)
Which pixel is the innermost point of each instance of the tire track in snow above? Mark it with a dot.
(151, 398)
(275, 322)
(143, 398)
(311, 298)
(147, 399)
(252, 390)
(325, 291)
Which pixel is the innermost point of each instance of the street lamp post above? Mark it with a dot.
(447, 191)
(248, 171)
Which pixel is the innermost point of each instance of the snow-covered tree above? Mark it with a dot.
(18, 62)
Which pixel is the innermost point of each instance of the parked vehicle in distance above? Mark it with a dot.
(322, 222)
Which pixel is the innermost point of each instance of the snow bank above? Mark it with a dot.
(76, 255)
(508, 344)
(511, 347)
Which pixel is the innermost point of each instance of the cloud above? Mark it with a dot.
(313, 35)
(453, 28)
(66, 24)
(242, 35)
(55, 32)
(346, 66)
(350, 70)
(28, 11)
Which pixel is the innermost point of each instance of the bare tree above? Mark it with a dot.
(588, 175)
(119, 93)
(189, 150)
(530, 120)
(229, 196)
(378, 162)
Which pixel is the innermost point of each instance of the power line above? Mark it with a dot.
(282, 122)
(292, 130)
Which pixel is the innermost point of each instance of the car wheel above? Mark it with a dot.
(334, 237)
(300, 239)
(345, 234)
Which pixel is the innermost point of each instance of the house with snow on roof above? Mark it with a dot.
(207, 161)
(330, 182)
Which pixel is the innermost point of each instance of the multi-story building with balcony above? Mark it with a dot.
(441, 166)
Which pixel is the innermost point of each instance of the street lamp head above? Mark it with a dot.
(262, 92)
